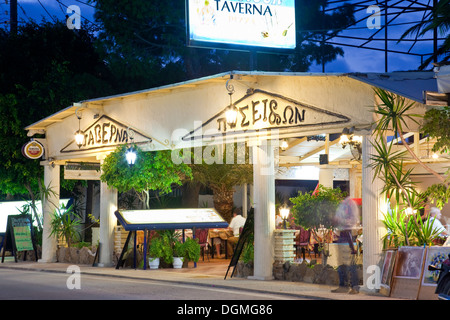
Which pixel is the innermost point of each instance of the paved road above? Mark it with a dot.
(31, 285)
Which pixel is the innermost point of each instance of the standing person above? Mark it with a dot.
(235, 225)
(347, 219)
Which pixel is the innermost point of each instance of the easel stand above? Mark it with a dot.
(125, 247)
(243, 239)
(19, 236)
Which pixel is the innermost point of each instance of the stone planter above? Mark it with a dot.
(75, 255)
(300, 272)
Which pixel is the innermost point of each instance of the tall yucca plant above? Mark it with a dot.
(388, 165)
(394, 112)
(397, 224)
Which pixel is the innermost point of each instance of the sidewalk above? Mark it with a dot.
(210, 274)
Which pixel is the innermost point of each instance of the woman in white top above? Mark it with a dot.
(436, 215)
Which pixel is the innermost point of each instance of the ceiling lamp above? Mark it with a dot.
(348, 138)
(284, 144)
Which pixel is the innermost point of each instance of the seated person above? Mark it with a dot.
(236, 223)
(435, 215)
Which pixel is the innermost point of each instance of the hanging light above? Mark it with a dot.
(231, 115)
(284, 213)
(131, 154)
(232, 111)
(79, 135)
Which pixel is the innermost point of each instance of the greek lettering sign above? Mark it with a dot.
(105, 132)
(254, 23)
(259, 110)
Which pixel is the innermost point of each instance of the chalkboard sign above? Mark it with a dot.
(19, 236)
(247, 231)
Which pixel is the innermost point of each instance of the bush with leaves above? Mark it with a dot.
(153, 170)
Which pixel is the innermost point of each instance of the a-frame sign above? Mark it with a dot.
(244, 238)
(19, 236)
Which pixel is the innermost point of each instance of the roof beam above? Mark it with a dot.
(317, 150)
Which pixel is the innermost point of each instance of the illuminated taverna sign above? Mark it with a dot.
(106, 132)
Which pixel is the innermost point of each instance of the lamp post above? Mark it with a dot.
(284, 213)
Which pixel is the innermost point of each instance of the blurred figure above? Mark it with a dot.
(347, 219)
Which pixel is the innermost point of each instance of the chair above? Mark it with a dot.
(202, 236)
(302, 241)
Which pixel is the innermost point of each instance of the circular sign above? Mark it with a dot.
(33, 150)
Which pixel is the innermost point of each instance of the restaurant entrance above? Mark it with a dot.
(289, 121)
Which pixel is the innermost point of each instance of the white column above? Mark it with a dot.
(264, 204)
(108, 205)
(372, 206)
(52, 180)
(244, 200)
(326, 176)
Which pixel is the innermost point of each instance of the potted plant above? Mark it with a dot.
(191, 250)
(167, 241)
(65, 225)
(155, 252)
(316, 210)
(179, 252)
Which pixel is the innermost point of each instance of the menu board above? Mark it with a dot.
(170, 219)
(21, 227)
(19, 235)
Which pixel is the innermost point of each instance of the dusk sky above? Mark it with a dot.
(354, 60)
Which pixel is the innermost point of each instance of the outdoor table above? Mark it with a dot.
(223, 234)
(160, 219)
